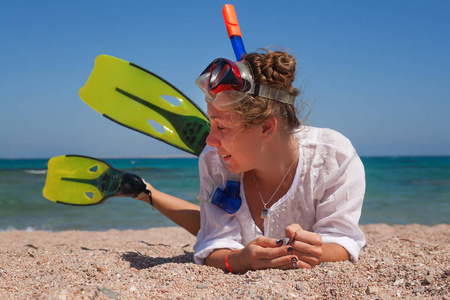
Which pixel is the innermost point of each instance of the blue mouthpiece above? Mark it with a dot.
(228, 199)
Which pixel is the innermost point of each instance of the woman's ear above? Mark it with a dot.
(269, 126)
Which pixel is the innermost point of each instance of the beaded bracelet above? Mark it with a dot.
(226, 261)
(150, 197)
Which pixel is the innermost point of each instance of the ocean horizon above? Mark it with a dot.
(399, 190)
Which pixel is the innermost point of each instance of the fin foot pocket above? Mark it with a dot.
(191, 132)
(132, 186)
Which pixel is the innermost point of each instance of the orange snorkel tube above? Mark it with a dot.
(234, 32)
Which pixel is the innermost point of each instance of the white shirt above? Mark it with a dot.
(325, 197)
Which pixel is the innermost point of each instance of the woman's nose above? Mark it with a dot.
(212, 140)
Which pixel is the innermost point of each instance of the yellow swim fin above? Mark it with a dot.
(134, 97)
(82, 180)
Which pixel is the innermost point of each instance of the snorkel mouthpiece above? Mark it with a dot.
(228, 199)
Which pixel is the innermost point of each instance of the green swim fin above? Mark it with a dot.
(82, 180)
(132, 96)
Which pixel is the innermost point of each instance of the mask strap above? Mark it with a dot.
(273, 94)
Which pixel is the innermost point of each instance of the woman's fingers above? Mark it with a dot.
(285, 262)
(265, 242)
(308, 248)
(266, 253)
(291, 230)
(308, 237)
(307, 245)
(307, 258)
(264, 248)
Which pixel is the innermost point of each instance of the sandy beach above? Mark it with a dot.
(399, 262)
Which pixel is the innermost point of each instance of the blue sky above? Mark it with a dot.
(377, 71)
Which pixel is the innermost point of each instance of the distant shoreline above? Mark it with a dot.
(195, 157)
(31, 230)
(150, 157)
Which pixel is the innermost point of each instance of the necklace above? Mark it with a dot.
(265, 210)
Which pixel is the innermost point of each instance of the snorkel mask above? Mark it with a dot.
(225, 82)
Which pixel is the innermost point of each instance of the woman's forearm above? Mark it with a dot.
(182, 212)
(333, 252)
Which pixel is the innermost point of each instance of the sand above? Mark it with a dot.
(399, 262)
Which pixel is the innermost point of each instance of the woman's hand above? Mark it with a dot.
(262, 253)
(144, 196)
(268, 253)
(307, 246)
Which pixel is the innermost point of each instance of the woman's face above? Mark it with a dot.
(239, 146)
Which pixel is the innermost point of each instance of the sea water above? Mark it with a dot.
(400, 190)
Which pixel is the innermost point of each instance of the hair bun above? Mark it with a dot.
(280, 68)
(275, 68)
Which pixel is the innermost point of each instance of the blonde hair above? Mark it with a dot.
(275, 69)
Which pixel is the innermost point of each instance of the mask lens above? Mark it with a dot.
(220, 77)
(225, 82)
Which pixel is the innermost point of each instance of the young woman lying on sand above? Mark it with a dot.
(299, 184)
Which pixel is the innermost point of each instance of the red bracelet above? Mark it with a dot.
(226, 261)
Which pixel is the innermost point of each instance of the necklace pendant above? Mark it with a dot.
(264, 213)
